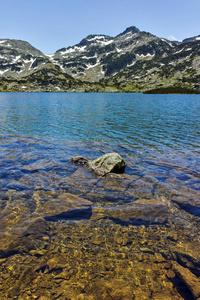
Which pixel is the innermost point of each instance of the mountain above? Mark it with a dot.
(192, 39)
(100, 56)
(19, 58)
(133, 61)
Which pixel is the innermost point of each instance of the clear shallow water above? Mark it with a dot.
(62, 226)
(157, 135)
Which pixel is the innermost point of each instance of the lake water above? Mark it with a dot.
(153, 121)
(154, 205)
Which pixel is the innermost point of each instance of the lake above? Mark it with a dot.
(68, 234)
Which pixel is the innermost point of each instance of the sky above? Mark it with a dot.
(49, 25)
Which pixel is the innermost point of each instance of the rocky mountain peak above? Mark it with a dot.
(131, 61)
(131, 29)
(192, 39)
(21, 46)
(94, 39)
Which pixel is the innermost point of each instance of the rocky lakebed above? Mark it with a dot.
(67, 232)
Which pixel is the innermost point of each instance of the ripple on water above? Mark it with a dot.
(32, 167)
(70, 227)
(67, 234)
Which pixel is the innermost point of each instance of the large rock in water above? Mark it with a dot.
(107, 163)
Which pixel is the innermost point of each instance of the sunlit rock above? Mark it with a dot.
(107, 163)
(189, 279)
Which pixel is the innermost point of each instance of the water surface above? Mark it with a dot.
(157, 121)
(147, 217)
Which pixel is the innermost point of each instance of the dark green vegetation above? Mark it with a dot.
(172, 90)
(49, 79)
(133, 61)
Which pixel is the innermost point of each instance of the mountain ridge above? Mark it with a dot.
(132, 61)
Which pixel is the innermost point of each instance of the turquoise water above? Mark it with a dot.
(65, 232)
(157, 135)
(153, 121)
(62, 125)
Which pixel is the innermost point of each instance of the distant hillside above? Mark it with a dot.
(133, 61)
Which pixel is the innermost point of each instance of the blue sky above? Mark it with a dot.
(52, 24)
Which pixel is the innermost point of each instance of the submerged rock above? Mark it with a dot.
(79, 160)
(107, 163)
(189, 278)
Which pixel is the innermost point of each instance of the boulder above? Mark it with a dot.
(79, 160)
(107, 163)
(189, 278)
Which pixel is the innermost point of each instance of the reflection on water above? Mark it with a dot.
(67, 234)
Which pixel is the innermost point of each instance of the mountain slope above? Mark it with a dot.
(192, 39)
(100, 56)
(19, 58)
(180, 68)
(51, 79)
(133, 61)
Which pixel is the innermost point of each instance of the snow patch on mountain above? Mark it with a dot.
(31, 60)
(2, 72)
(74, 49)
(16, 59)
(89, 66)
(147, 55)
(96, 37)
(106, 43)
